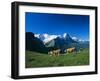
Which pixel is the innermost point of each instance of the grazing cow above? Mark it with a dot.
(54, 52)
(71, 50)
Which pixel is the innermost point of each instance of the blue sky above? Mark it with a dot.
(58, 24)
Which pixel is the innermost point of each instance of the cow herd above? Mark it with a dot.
(57, 52)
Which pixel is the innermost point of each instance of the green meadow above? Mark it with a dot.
(34, 59)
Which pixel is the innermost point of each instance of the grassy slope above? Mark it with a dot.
(34, 59)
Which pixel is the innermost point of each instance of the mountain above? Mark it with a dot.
(55, 42)
(45, 37)
(34, 44)
(61, 42)
(45, 42)
(67, 38)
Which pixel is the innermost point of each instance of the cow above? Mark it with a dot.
(54, 52)
(71, 50)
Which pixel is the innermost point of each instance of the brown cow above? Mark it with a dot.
(70, 50)
(54, 52)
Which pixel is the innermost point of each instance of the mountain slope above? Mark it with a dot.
(60, 42)
(34, 44)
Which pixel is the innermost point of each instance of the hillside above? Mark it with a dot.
(34, 44)
(34, 59)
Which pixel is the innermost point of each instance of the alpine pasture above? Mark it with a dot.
(35, 59)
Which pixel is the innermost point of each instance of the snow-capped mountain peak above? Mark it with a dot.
(47, 37)
(37, 35)
(66, 36)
